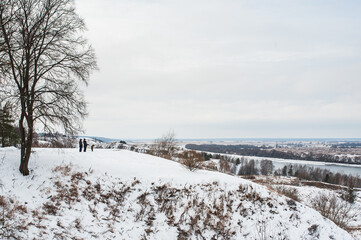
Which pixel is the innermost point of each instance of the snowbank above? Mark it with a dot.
(118, 194)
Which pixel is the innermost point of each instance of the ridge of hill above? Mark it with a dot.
(119, 194)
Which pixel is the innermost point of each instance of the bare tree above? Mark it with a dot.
(224, 164)
(266, 167)
(165, 146)
(42, 57)
(247, 167)
(191, 160)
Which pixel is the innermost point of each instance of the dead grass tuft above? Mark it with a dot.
(63, 170)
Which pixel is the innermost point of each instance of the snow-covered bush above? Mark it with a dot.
(9, 210)
(191, 159)
(336, 209)
(349, 195)
(288, 192)
(164, 147)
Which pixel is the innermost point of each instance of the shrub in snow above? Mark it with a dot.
(164, 147)
(191, 159)
(336, 209)
(313, 231)
(9, 225)
(288, 192)
(210, 165)
(349, 195)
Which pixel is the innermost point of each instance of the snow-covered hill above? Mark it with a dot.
(119, 194)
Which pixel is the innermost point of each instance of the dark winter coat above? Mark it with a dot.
(80, 145)
(85, 145)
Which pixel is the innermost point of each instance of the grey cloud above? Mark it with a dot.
(176, 64)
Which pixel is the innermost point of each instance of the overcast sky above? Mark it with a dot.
(225, 68)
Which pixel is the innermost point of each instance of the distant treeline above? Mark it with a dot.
(249, 150)
(304, 172)
(347, 145)
(243, 166)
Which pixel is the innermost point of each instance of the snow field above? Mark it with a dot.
(112, 194)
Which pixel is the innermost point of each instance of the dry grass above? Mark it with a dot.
(210, 216)
(286, 191)
(9, 224)
(339, 211)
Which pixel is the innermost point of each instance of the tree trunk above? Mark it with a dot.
(25, 154)
(25, 147)
(24, 163)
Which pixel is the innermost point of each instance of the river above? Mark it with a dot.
(352, 169)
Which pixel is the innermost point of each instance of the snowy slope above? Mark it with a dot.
(112, 194)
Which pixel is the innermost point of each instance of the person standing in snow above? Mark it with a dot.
(92, 147)
(85, 144)
(80, 145)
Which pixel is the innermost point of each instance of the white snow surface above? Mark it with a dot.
(119, 194)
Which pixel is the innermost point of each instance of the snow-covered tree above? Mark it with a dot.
(43, 55)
